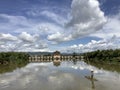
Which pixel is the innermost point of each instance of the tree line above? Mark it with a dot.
(13, 58)
(103, 56)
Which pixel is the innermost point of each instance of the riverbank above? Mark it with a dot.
(9, 61)
(13, 58)
(109, 56)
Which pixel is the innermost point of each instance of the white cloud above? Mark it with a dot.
(59, 37)
(111, 43)
(81, 17)
(28, 38)
(109, 34)
(55, 36)
(23, 34)
(7, 37)
(22, 42)
(111, 28)
(110, 37)
(86, 17)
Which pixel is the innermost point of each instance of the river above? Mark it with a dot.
(64, 76)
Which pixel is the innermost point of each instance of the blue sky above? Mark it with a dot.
(64, 25)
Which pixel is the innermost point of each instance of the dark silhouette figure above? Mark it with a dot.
(92, 79)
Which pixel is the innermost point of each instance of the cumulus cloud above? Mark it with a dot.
(111, 28)
(109, 35)
(27, 37)
(111, 43)
(59, 37)
(22, 42)
(6, 41)
(23, 34)
(7, 37)
(56, 37)
(86, 17)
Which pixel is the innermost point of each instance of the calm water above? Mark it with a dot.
(66, 76)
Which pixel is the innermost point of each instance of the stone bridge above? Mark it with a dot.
(43, 58)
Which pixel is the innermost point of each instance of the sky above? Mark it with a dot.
(63, 25)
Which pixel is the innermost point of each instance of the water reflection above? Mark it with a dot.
(74, 61)
(92, 79)
(68, 76)
(10, 67)
(56, 62)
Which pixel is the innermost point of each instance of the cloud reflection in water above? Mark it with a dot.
(45, 76)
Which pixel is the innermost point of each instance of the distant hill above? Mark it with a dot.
(39, 53)
(47, 53)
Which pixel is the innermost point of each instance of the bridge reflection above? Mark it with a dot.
(56, 62)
